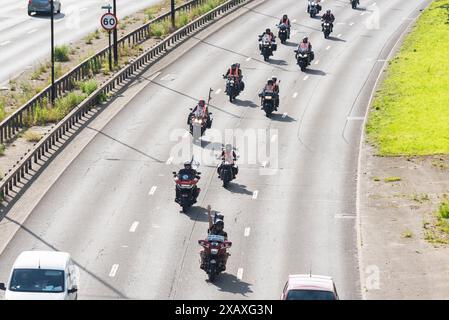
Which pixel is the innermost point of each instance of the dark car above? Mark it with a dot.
(43, 6)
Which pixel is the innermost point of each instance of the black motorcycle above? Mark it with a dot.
(283, 33)
(226, 172)
(354, 3)
(232, 88)
(266, 47)
(313, 10)
(268, 102)
(303, 59)
(187, 191)
(326, 29)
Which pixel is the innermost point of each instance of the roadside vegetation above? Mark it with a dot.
(437, 231)
(410, 114)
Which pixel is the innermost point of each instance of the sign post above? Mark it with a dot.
(109, 23)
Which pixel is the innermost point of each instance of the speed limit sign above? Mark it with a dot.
(109, 21)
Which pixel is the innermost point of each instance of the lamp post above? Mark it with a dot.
(53, 89)
(173, 13)
(115, 35)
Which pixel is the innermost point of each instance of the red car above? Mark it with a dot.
(309, 287)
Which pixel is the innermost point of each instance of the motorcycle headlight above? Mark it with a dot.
(268, 97)
(214, 251)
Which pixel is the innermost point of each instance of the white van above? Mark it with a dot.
(42, 275)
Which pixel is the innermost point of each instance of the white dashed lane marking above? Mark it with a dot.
(32, 31)
(134, 226)
(170, 160)
(255, 194)
(295, 95)
(247, 231)
(218, 91)
(5, 43)
(284, 115)
(248, 59)
(240, 273)
(153, 190)
(305, 78)
(328, 47)
(113, 270)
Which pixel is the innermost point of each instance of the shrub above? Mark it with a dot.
(89, 86)
(443, 211)
(62, 53)
(32, 136)
(2, 149)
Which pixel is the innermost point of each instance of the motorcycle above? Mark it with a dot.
(268, 103)
(283, 32)
(326, 29)
(226, 171)
(313, 10)
(303, 59)
(266, 47)
(187, 191)
(354, 3)
(215, 248)
(232, 89)
(200, 124)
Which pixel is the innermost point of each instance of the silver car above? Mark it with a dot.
(43, 6)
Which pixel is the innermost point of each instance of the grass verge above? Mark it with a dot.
(438, 231)
(410, 114)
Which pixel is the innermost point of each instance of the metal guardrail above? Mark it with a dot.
(12, 124)
(30, 163)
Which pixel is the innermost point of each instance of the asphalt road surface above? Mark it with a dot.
(298, 220)
(25, 40)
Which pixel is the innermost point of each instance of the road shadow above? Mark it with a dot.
(279, 117)
(360, 9)
(47, 16)
(238, 188)
(278, 62)
(336, 39)
(230, 283)
(246, 103)
(291, 44)
(198, 214)
(315, 72)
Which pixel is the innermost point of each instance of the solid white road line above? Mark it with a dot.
(255, 194)
(356, 118)
(295, 95)
(153, 190)
(345, 216)
(218, 91)
(5, 43)
(169, 161)
(247, 231)
(134, 226)
(113, 270)
(240, 273)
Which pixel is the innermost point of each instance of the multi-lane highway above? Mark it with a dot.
(24, 40)
(113, 208)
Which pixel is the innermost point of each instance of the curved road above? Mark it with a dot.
(301, 218)
(29, 37)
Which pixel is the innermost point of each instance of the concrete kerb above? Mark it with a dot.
(23, 207)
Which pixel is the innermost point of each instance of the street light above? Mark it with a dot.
(173, 13)
(115, 35)
(53, 89)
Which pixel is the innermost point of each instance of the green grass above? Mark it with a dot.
(62, 53)
(89, 86)
(407, 234)
(38, 72)
(392, 179)
(410, 114)
(2, 149)
(439, 232)
(2, 110)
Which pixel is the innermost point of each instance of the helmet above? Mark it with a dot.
(270, 82)
(228, 147)
(305, 40)
(328, 11)
(285, 17)
(202, 103)
(274, 79)
(219, 224)
(187, 165)
(268, 30)
(234, 66)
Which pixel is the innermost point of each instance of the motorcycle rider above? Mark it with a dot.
(328, 17)
(285, 20)
(228, 155)
(215, 228)
(200, 111)
(269, 88)
(235, 72)
(305, 44)
(272, 37)
(318, 6)
(188, 170)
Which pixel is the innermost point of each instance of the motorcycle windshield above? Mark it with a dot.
(185, 176)
(215, 238)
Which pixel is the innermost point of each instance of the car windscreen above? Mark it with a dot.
(310, 295)
(37, 280)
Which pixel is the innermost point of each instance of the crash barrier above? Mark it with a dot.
(11, 125)
(44, 150)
